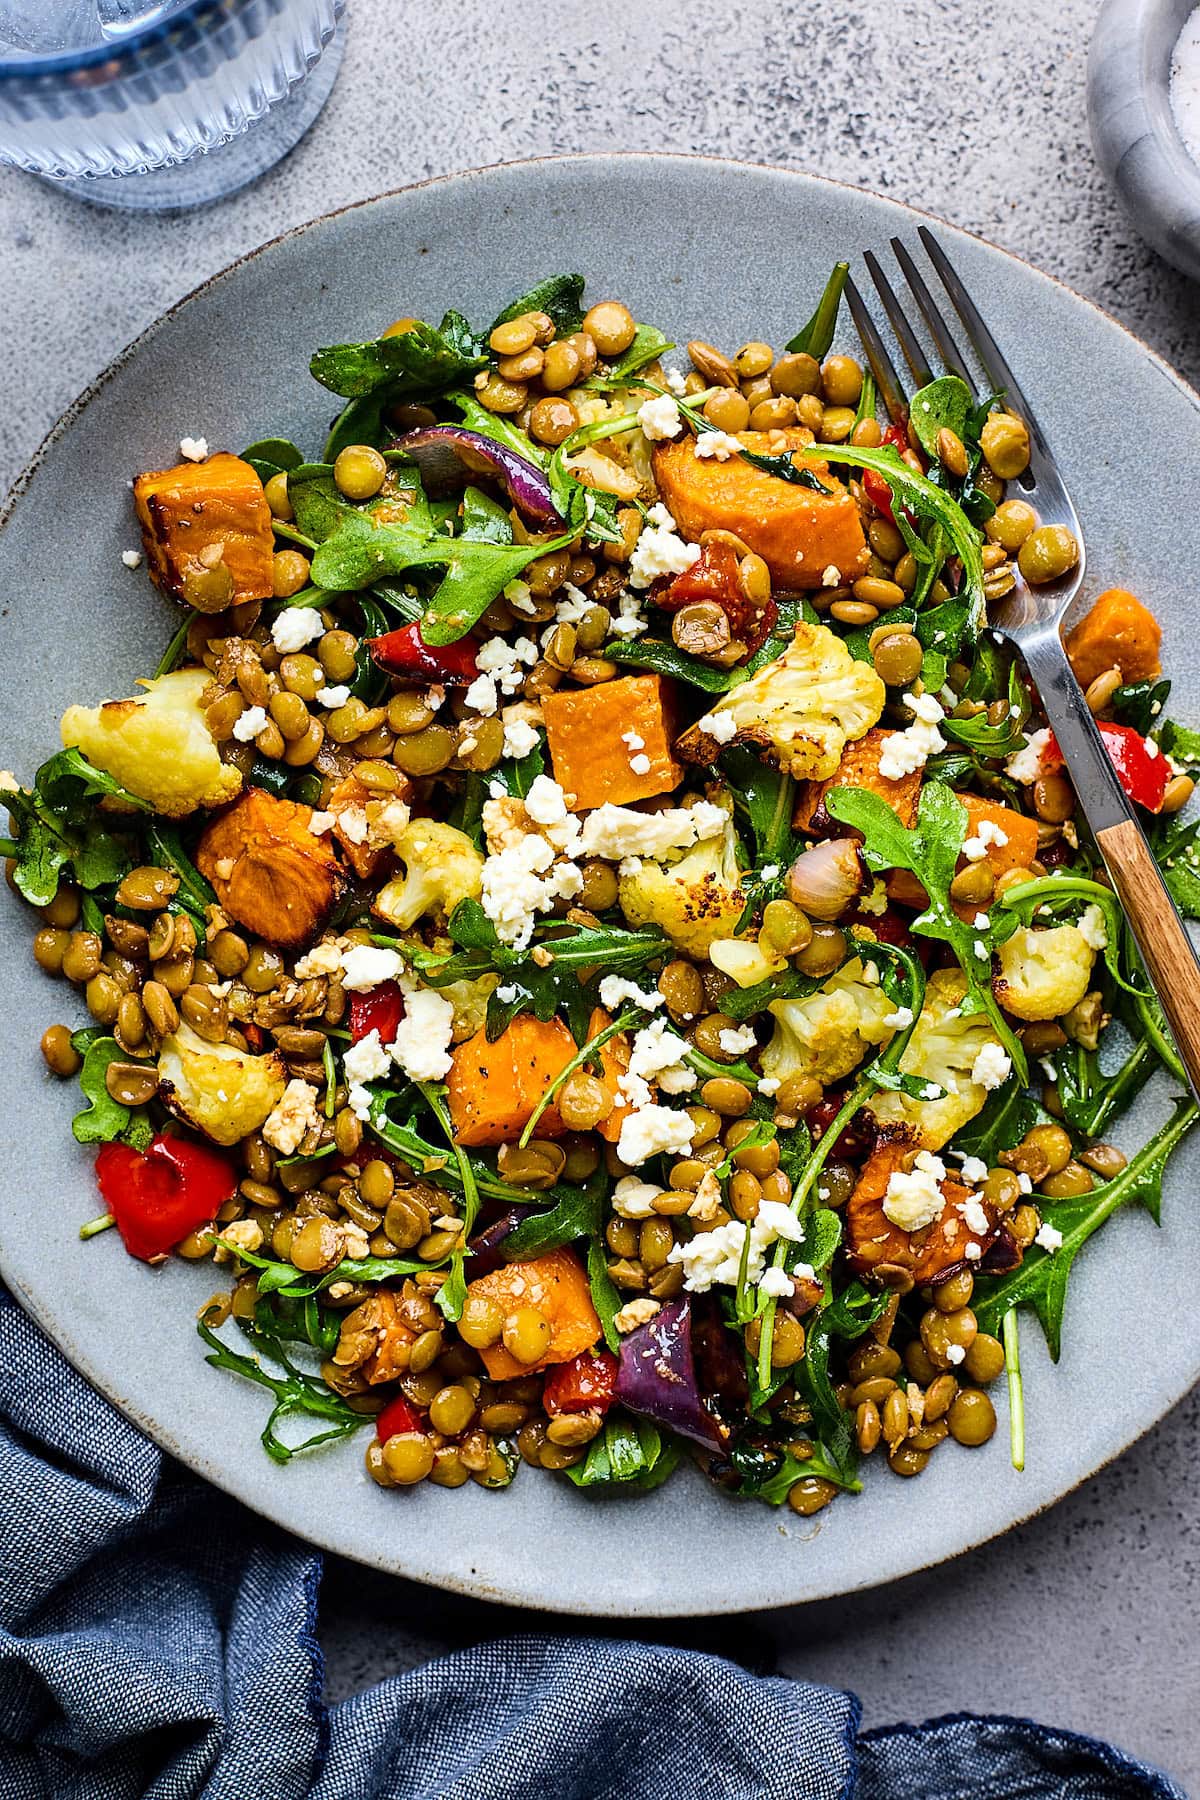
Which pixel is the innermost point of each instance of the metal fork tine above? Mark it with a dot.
(938, 329)
(882, 367)
(914, 355)
(991, 357)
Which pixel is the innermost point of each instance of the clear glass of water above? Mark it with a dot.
(153, 104)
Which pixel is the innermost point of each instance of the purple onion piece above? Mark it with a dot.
(486, 1247)
(657, 1376)
(439, 449)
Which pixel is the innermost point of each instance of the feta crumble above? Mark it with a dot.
(633, 1198)
(295, 627)
(1048, 1237)
(364, 966)
(640, 764)
(421, 1047)
(614, 989)
(519, 739)
(333, 696)
(718, 444)
(293, 1116)
(482, 695)
(914, 1199)
(1093, 929)
(904, 752)
(193, 449)
(992, 1067)
(713, 1258)
(365, 1061)
(653, 1131)
(721, 727)
(737, 1041)
(615, 832)
(659, 418)
(974, 1169)
(132, 559)
(321, 822)
(248, 726)
(659, 550)
(1027, 764)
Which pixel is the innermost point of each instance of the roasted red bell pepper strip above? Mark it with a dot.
(874, 486)
(715, 576)
(398, 1415)
(588, 1383)
(1141, 767)
(160, 1195)
(405, 652)
(379, 1010)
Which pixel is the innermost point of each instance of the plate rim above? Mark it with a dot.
(161, 1434)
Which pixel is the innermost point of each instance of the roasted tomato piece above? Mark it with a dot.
(716, 577)
(585, 1384)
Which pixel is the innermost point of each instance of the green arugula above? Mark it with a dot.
(578, 1214)
(816, 337)
(844, 1317)
(629, 1452)
(1142, 704)
(664, 659)
(272, 456)
(561, 296)
(424, 360)
(930, 851)
(648, 343)
(785, 1471)
(766, 798)
(1176, 848)
(1041, 1279)
(283, 1278)
(1008, 1114)
(104, 1120)
(605, 1296)
(295, 1394)
(58, 825)
(498, 427)
(1090, 1098)
(452, 1295)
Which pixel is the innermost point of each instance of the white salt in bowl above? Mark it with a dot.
(1136, 139)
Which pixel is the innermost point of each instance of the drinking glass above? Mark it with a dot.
(153, 104)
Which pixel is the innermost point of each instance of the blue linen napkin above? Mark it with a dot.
(159, 1642)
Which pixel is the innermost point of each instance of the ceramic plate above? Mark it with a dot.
(669, 236)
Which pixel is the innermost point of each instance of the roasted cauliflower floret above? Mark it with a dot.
(1043, 973)
(745, 961)
(828, 1033)
(801, 710)
(943, 1048)
(224, 1092)
(695, 900)
(157, 745)
(441, 867)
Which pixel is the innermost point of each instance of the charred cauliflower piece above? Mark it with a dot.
(441, 866)
(695, 900)
(943, 1048)
(800, 711)
(828, 1033)
(1043, 974)
(270, 871)
(224, 1092)
(157, 745)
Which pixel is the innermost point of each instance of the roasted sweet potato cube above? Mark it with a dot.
(798, 532)
(859, 767)
(556, 1285)
(876, 1246)
(270, 872)
(492, 1089)
(206, 530)
(1016, 852)
(348, 802)
(593, 733)
(1118, 633)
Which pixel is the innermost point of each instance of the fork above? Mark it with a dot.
(1032, 619)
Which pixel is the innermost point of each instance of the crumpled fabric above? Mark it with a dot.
(160, 1642)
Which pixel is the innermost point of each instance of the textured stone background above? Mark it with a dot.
(1087, 1616)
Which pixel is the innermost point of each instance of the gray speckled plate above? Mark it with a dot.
(668, 235)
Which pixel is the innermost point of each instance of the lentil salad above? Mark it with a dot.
(553, 1058)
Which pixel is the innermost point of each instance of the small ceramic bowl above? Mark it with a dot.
(1133, 130)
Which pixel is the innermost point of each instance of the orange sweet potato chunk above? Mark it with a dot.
(614, 1062)
(798, 533)
(206, 531)
(269, 871)
(1118, 633)
(929, 1255)
(586, 729)
(557, 1286)
(492, 1089)
(1016, 852)
(859, 767)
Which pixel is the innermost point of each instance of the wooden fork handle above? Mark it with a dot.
(1166, 949)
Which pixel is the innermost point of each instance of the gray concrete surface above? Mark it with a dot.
(1087, 1616)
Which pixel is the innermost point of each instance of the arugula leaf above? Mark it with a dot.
(296, 1322)
(104, 1120)
(777, 1476)
(452, 1295)
(578, 1214)
(1142, 704)
(519, 773)
(1090, 1098)
(815, 338)
(930, 851)
(977, 734)
(1041, 1279)
(285, 1279)
(648, 342)
(1180, 742)
(1007, 1115)
(943, 404)
(559, 295)
(1177, 852)
(57, 824)
(664, 659)
(272, 456)
(628, 1451)
(295, 1393)
(766, 797)
(422, 360)
(605, 1297)
(498, 427)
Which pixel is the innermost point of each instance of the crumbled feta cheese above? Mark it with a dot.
(652, 1131)
(769, 871)
(904, 752)
(1026, 765)
(776, 1283)
(914, 1200)
(633, 1198)
(633, 740)
(508, 993)
(519, 739)
(981, 921)
(974, 1169)
(931, 1091)
(714, 1257)
(293, 1116)
(975, 1217)
(545, 802)
(676, 382)
(333, 696)
(365, 1061)
(321, 822)
(721, 727)
(522, 880)
(900, 1020)
(659, 550)
(193, 449)
(1024, 1183)
(769, 1085)
(719, 444)
(131, 558)
(707, 1203)
(614, 989)
(352, 824)
(973, 1251)
(659, 418)
(991, 833)
(656, 1054)
(482, 695)
(737, 1041)
(247, 728)
(974, 849)
(324, 959)
(831, 575)
(1048, 1238)
(992, 1067)
(615, 832)
(1093, 929)
(421, 1047)
(294, 627)
(364, 966)
(1151, 748)
(635, 1313)
(955, 1353)
(982, 952)
(640, 764)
